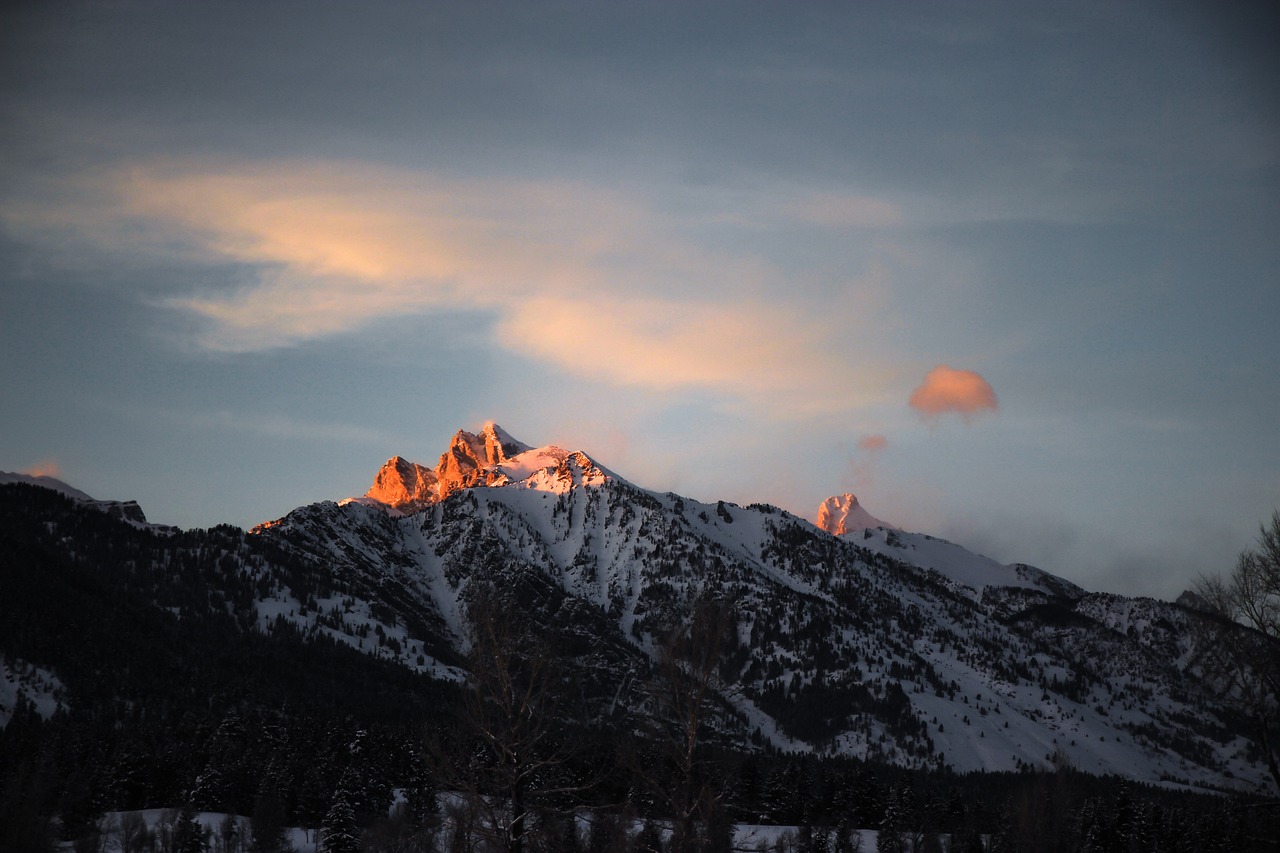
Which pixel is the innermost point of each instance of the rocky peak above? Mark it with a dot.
(471, 460)
(498, 443)
(403, 484)
(842, 514)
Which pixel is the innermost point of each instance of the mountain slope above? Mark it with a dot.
(878, 644)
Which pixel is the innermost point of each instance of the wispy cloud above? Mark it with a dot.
(863, 465)
(946, 390)
(754, 349)
(586, 279)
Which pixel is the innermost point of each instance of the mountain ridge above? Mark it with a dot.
(875, 644)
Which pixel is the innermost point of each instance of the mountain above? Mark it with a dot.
(842, 514)
(847, 638)
(875, 643)
(126, 510)
(471, 460)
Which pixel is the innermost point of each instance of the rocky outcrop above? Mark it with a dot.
(470, 461)
(842, 514)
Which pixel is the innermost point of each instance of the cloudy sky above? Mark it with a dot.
(1009, 272)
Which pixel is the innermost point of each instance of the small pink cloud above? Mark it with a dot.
(944, 390)
(873, 443)
(47, 468)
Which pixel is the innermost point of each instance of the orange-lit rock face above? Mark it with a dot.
(834, 512)
(468, 462)
(842, 514)
(401, 484)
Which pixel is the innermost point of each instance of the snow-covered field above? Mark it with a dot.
(232, 833)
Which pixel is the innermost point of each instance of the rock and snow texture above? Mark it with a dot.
(842, 514)
(879, 643)
(471, 460)
(875, 643)
(961, 570)
(490, 458)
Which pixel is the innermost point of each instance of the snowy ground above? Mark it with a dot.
(748, 838)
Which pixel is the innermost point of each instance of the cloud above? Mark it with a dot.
(338, 246)
(946, 390)
(587, 279)
(862, 468)
(755, 349)
(873, 443)
(44, 468)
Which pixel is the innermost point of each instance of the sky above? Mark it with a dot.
(1007, 271)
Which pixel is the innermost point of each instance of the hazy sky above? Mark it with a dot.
(1009, 272)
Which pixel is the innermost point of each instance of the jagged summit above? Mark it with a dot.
(491, 457)
(400, 482)
(842, 514)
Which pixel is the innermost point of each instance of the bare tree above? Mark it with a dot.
(688, 656)
(510, 756)
(1242, 648)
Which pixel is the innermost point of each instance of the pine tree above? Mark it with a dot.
(339, 832)
(421, 807)
(890, 838)
(189, 836)
(267, 822)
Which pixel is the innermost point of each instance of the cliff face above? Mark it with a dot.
(404, 484)
(842, 514)
(470, 461)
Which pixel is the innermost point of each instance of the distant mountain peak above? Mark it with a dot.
(840, 514)
(496, 436)
(491, 457)
(128, 511)
(400, 483)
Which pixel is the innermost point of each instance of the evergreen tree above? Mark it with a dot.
(189, 835)
(339, 832)
(890, 838)
(421, 807)
(847, 840)
(267, 823)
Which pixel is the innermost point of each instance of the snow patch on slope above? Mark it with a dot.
(39, 686)
(969, 574)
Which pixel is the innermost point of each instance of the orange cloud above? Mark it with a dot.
(45, 468)
(873, 443)
(753, 349)
(945, 390)
(593, 280)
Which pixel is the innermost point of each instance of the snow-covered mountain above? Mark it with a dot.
(876, 642)
(872, 642)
